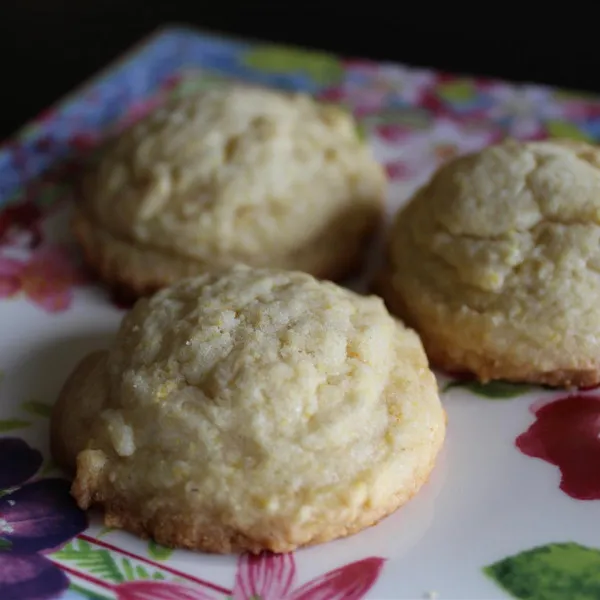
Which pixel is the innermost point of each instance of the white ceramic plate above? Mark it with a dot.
(513, 507)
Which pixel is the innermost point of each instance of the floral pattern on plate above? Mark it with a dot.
(415, 119)
(36, 517)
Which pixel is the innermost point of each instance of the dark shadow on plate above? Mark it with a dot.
(45, 367)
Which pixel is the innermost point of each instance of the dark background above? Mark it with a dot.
(47, 47)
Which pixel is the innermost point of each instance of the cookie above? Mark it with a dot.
(252, 410)
(496, 261)
(235, 174)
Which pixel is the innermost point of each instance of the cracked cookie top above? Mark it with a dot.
(235, 173)
(263, 400)
(512, 221)
(496, 263)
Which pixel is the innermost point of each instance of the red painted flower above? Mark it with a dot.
(588, 388)
(393, 133)
(398, 170)
(272, 576)
(161, 590)
(268, 577)
(172, 81)
(47, 278)
(566, 433)
(82, 142)
(332, 94)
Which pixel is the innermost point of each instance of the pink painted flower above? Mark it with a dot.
(46, 278)
(361, 102)
(522, 110)
(333, 94)
(402, 83)
(392, 133)
(414, 155)
(267, 577)
(369, 87)
(398, 170)
(161, 590)
(272, 577)
(578, 107)
(408, 84)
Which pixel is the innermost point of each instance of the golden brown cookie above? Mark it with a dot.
(253, 410)
(231, 175)
(496, 262)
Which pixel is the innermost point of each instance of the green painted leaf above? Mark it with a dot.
(324, 69)
(563, 571)
(158, 552)
(4, 544)
(141, 573)
(361, 131)
(39, 409)
(495, 390)
(10, 424)
(104, 564)
(128, 570)
(193, 83)
(564, 129)
(457, 91)
(88, 593)
(7, 491)
(96, 561)
(105, 531)
(452, 384)
(414, 118)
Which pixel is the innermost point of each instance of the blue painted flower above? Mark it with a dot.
(35, 517)
(591, 126)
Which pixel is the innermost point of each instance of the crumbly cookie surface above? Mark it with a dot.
(233, 174)
(495, 262)
(253, 410)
